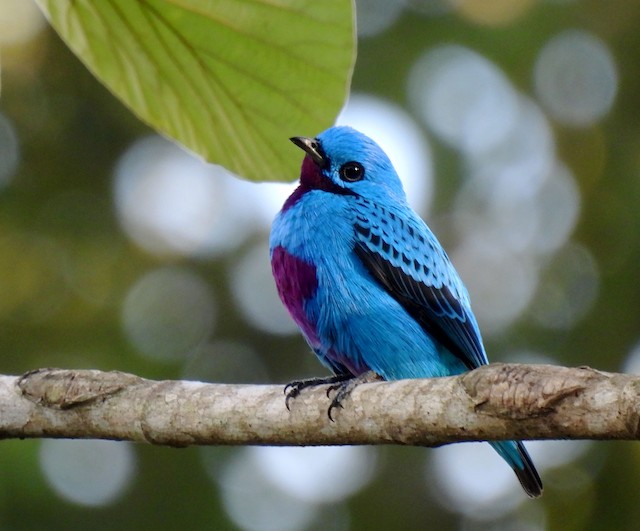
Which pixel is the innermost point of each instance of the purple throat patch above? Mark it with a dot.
(311, 178)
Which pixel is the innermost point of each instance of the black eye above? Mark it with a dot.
(352, 172)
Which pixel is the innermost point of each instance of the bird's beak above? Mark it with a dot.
(312, 148)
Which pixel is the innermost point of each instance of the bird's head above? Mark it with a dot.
(343, 161)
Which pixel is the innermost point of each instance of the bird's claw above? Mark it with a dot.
(293, 389)
(344, 388)
(342, 384)
(335, 403)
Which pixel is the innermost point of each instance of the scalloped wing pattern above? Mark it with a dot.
(406, 258)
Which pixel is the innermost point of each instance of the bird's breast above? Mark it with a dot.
(311, 257)
(297, 282)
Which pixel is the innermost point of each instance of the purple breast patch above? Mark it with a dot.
(297, 282)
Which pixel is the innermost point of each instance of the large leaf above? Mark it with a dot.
(228, 79)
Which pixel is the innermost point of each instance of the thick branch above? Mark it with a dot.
(494, 402)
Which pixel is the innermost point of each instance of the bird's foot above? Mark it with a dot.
(293, 389)
(344, 388)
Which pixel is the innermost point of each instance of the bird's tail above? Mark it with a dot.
(514, 453)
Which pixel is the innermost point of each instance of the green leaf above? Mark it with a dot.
(229, 79)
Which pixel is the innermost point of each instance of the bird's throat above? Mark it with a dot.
(312, 178)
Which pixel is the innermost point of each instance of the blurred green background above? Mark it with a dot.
(516, 126)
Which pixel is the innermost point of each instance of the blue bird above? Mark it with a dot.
(367, 282)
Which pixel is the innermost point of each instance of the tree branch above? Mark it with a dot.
(493, 402)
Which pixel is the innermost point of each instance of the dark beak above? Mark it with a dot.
(312, 148)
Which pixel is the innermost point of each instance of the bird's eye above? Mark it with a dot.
(352, 172)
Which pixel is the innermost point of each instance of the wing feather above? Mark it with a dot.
(405, 257)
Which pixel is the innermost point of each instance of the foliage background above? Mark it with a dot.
(69, 265)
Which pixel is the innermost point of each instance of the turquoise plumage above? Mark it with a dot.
(368, 283)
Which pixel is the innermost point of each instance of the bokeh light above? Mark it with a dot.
(464, 98)
(262, 201)
(558, 206)
(254, 504)
(557, 453)
(168, 313)
(170, 202)
(317, 474)
(375, 16)
(90, 473)
(273, 488)
(472, 480)
(255, 291)
(576, 78)
(517, 164)
(501, 282)
(518, 204)
(269, 488)
(20, 21)
(631, 364)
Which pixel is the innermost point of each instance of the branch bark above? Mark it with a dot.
(497, 401)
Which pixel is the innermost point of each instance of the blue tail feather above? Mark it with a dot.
(515, 454)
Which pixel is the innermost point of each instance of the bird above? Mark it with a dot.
(367, 282)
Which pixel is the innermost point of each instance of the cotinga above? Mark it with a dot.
(368, 283)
